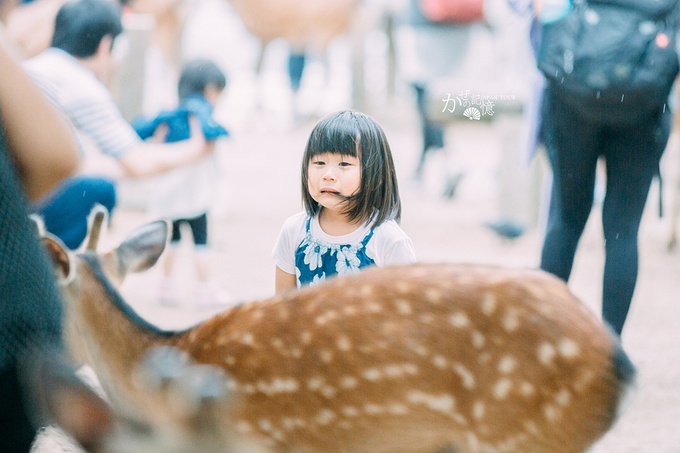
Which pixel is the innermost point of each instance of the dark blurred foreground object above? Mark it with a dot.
(30, 308)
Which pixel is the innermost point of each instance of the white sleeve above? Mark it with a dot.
(102, 121)
(391, 246)
(290, 236)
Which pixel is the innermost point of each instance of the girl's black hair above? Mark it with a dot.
(356, 134)
(197, 75)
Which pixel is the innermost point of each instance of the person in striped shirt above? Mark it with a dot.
(71, 73)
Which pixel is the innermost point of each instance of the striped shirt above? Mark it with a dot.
(87, 102)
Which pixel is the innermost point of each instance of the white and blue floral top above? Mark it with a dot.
(312, 255)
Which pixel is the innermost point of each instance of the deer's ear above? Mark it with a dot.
(142, 248)
(61, 259)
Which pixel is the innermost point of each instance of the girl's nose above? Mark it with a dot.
(329, 174)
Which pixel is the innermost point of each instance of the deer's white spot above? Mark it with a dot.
(373, 307)
(296, 353)
(583, 381)
(459, 320)
(366, 290)
(222, 340)
(403, 307)
(393, 371)
(511, 320)
(343, 343)
(531, 427)
(265, 425)
(349, 382)
(372, 374)
(350, 411)
(278, 385)
(439, 403)
(397, 409)
(488, 303)
(229, 360)
(433, 296)
(328, 391)
(402, 287)
(410, 368)
(426, 318)
(315, 383)
(247, 339)
(551, 412)
(326, 356)
(527, 389)
(306, 337)
(563, 397)
(290, 424)
(466, 376)
(507, 364)
(257, 315)
(373, 409)
(325, 416)
(326, 317)
(350, 310)
(502, 388)
(243, 427)
(440, 361)
(568, 348)
(546, 353)
(418, 348)
(478, 410)
(478, 340)
(277, 343)
(248, 389)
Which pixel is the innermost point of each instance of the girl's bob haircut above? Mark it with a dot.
(355, 134)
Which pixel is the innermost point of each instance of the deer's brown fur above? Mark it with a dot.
(403, 359)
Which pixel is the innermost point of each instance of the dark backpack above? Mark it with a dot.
(613, 61)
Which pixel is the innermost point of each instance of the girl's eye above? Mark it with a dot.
(318, 162)
(345, 164)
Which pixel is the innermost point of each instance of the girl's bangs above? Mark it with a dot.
(335, 140)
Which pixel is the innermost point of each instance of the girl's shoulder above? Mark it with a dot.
(390, 229)
(296, 224)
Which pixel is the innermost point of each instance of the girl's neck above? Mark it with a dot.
(335, 223)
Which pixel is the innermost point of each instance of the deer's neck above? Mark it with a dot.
(108, 332)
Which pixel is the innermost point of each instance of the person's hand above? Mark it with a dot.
(199, 144)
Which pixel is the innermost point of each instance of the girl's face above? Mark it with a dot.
(332, 178)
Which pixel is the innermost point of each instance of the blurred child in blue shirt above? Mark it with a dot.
(185, 195)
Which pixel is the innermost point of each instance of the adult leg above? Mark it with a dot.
(632, 161)
(573, 148)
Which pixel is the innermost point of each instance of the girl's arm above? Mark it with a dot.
(284, 281)
(39, 139)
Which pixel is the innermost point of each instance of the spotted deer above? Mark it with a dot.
(415, 358)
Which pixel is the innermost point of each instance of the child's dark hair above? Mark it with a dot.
(197, 75)
(352, 133)
(81, 25)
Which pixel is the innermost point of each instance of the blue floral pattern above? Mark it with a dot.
(315, 260)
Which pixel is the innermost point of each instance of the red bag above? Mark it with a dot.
(452, 11)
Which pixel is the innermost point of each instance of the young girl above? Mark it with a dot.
(352, 205)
